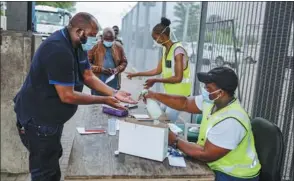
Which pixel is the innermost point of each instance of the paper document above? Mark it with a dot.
(176, 161)
(141, 116)
(174, 128)
(110, 78)
(84, 131)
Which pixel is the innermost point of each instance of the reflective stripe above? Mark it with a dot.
(222, 116)
(250, 154)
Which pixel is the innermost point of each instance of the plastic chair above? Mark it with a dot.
(188, 135)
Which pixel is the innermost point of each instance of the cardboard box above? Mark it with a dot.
(143, 139)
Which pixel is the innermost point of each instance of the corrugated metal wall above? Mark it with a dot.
(253, 38)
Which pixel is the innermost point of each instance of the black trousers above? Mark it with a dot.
(44, 146)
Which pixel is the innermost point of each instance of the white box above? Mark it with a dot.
(143, 139)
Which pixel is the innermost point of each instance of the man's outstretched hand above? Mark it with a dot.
(113, 102)
(125, 97)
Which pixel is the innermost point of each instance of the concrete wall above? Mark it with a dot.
(16, 53)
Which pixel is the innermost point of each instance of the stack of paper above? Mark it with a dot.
(174, 128)
(176, 161)
(84, 131)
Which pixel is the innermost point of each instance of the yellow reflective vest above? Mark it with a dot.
(168, 63)
(242, 162)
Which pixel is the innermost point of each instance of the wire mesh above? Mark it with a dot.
(253, 38)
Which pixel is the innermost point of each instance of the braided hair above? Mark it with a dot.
(162, 27)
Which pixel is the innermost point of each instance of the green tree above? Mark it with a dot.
(193, 20)
(70, 6)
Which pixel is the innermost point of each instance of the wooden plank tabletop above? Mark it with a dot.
(92, 158)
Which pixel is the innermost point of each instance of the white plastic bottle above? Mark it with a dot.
(153, 108)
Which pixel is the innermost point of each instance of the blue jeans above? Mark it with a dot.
(219, 176)
(172, 114)
(44, 146)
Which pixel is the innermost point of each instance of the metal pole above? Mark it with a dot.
(235, 53)
(199, 62)
(186, 22)
(163, 10)
(163, 14)
(136, 36)
(213, 42)
(146, 31)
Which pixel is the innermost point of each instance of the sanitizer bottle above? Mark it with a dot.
(152, 106)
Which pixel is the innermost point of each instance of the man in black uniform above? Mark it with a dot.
(51, 94)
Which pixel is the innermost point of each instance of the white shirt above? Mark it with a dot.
(226, 134)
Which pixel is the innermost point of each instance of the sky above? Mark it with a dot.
(107, 13)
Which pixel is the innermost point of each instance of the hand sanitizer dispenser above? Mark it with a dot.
(153, 107)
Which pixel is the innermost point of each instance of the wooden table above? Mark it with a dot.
(92, 158)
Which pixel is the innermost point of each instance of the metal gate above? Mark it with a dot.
(253, 38)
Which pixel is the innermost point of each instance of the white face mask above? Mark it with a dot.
(159, 37)
(205, 95)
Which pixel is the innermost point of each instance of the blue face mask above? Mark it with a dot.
(205, 95)
(107, 43)
(91, 41)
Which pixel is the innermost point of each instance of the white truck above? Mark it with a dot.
(50, 19)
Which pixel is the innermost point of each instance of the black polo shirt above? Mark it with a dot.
(55, 62)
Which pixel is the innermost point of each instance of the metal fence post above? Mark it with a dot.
(136, 35)
(163, 14)
(186, 22)
(200, 45)
(146, 30)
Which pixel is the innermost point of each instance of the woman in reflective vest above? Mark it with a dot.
(173, 66)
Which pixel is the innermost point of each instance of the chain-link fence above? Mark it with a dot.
(253, 38)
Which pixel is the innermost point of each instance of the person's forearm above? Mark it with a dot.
(96, 69)
(96, 84)
(147, 73)
(193, 150)
(121, 67)
(172, 101)
(170, 80)
(79, 98)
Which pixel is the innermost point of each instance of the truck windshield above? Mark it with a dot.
(52, 18)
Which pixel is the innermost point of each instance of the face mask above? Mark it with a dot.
(91, 41)
(205, 95)
(159, 37)
(107, 43)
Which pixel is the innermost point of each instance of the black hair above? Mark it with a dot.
(83, 20)
(115, 26)
(162, 27)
